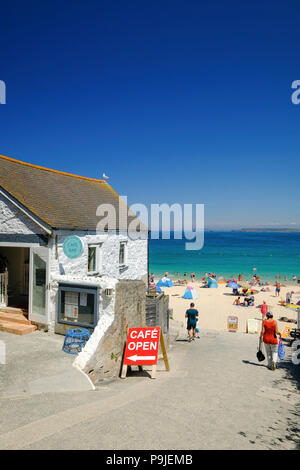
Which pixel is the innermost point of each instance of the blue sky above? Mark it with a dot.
(177, 101)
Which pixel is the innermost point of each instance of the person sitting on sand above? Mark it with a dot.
(237, 301)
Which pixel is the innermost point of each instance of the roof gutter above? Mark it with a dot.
(27, 212)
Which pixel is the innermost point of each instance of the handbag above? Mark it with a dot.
(281, 351)
(260, 356)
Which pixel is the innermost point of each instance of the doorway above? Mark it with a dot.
(27, 271)
(16, 261)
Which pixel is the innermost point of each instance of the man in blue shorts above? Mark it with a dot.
(192, 317)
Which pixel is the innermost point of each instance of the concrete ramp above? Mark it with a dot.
(36, 364)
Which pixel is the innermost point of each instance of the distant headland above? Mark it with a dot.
(267, 230)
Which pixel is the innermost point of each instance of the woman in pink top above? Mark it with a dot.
(264, 309)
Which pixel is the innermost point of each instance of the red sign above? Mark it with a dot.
(142, 346)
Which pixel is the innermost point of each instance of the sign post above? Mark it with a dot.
(142, 349)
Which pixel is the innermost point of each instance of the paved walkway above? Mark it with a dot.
(216, 396)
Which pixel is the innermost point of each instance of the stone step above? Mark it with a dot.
(20, 311)
(16, 328)
(14, 317)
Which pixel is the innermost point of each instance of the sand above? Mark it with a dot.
(214, 306)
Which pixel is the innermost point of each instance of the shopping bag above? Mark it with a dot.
(260, 356)
(281, 351)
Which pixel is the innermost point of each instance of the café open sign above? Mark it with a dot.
(142, 346)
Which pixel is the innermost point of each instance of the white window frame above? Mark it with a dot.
(123, 265)
(98, 270)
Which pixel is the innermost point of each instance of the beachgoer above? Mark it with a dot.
(192, 277)
(152, 278)
(277, 289)
(294, 278)
(280, 276)
(264, 309)
(166, 274)
(237, 301)
(192, 316)
(269, 334)
(288, 297)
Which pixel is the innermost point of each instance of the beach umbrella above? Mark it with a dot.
(233, 285)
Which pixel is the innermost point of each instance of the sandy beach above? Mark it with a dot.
(214, 306)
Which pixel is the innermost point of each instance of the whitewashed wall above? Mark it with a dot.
(15, 222)
(137, 256)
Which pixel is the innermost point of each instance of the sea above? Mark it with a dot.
(229, 254)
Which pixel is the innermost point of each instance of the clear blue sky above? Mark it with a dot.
(178, 101)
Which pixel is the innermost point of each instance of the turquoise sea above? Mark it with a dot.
(229, 254)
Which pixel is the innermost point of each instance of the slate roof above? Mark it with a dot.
(61, 200)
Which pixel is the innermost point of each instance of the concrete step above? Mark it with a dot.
(16, 328)
(14, 317)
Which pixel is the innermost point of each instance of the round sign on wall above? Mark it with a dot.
(73, 247)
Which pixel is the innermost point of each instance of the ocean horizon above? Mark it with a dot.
(228, 254)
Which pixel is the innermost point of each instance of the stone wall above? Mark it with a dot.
(130, 301)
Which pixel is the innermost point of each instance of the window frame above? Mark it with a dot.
(94, 290)
(98, 260)
(125, 263)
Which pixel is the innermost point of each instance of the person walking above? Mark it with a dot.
(192, 317)
(277, 289)
(264, 309)
(269, 333)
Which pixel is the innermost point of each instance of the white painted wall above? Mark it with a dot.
(137, 256)
(14, 221)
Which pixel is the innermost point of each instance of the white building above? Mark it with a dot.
(41, 208)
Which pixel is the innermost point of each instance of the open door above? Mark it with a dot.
(38, 285)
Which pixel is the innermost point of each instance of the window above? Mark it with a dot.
(123, 254)
(78, 305)
(94, 258)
